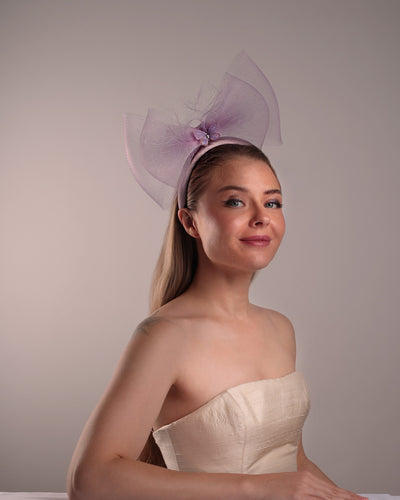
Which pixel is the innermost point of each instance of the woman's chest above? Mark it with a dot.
(216, 364)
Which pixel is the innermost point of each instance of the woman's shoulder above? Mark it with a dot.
(162, 340)
(169, 322)
(157, 327)
(157, 345)
(273, 315)
(278, 322)
(181, 312)
(279, 318)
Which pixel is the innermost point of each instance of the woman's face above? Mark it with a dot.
(239, 218)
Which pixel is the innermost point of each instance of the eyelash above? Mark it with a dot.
(230, 203)
(277, 203)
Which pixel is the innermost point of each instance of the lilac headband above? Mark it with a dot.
(162, 154)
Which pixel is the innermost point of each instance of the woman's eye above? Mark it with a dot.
(234, 202)
(273, 204)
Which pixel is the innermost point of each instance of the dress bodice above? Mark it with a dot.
(251, 428)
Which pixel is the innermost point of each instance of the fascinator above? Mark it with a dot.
(162, 153)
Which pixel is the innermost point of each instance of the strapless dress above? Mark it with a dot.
(252, 428)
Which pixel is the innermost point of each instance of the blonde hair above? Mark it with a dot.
(176, 264)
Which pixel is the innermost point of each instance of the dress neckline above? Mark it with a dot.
(222, 393)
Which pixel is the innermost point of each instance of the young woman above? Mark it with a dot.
(209, 379)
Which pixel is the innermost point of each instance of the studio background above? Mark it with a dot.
(79, 238)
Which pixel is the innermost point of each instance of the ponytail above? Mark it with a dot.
(176, 264)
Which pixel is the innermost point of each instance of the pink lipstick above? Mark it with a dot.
(257, 241)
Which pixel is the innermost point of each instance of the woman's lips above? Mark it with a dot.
(257, 241)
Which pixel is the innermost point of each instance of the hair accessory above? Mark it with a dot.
(161, 154)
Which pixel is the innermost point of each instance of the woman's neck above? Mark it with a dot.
(225, 292)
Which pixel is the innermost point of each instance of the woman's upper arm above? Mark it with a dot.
(122, 421)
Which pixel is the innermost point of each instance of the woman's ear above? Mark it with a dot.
(188, 222)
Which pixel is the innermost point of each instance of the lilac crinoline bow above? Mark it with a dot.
(161, 155)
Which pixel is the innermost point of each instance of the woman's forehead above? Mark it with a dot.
(243, 171)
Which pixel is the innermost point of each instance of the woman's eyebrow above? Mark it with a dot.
(240, 188)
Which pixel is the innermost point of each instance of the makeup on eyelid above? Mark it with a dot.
(234, 203)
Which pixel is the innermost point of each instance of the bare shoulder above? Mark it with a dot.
(280, 320)
(161, 337)
(281, 324)
(158, 332)
(156, 324)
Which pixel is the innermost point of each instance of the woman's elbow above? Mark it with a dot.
(82, 482)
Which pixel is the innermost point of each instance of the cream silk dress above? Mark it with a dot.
(252, 428)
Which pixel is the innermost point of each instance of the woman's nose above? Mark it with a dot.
(260, 218)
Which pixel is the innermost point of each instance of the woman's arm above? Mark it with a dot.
(122, 478)
(127, 479)
(104, 464)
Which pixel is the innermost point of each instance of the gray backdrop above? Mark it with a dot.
(79, 238)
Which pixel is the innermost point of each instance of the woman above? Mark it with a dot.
(213, 375)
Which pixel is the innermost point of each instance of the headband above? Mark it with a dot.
(162, 154)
